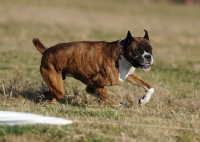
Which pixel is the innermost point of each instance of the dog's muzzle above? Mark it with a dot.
(146, 67)
(148, 61)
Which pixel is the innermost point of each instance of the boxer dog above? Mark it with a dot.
(96, 64)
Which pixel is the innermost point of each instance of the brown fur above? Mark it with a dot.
(93, 63)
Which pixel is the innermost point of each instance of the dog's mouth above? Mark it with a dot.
(146, 67)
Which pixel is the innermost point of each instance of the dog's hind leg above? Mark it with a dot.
(101, 93)
(104, 97)
(54, 82)
(136, 79)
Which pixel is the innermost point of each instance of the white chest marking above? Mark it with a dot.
(125, 68)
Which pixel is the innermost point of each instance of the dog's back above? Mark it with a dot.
(83, 60)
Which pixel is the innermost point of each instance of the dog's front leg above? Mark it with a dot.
(136, 79)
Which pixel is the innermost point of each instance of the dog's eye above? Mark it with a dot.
(135, 52)
(139, 50)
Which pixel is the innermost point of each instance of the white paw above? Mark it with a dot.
(145, 99)
(142, 102)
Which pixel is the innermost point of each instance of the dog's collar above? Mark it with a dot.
(120, 41)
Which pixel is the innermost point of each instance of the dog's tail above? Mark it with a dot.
(38, 44)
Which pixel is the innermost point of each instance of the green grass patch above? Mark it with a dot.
(171, 115)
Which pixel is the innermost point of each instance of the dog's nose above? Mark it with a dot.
(148, 57)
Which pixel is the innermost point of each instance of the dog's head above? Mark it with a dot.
(138, 51)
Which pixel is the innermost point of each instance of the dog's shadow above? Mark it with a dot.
(33, 91)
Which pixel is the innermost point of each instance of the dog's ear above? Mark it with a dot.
(146, 36)
(128, 38)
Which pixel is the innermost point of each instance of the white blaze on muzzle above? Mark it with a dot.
(148, 64)
(145, 53)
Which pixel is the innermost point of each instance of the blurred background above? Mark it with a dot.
(173, 27)
(174, 32)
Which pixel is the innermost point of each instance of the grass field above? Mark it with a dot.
(173, 113)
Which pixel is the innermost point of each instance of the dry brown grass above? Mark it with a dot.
(171, 115)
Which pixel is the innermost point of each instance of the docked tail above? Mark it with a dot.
(40, 47)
